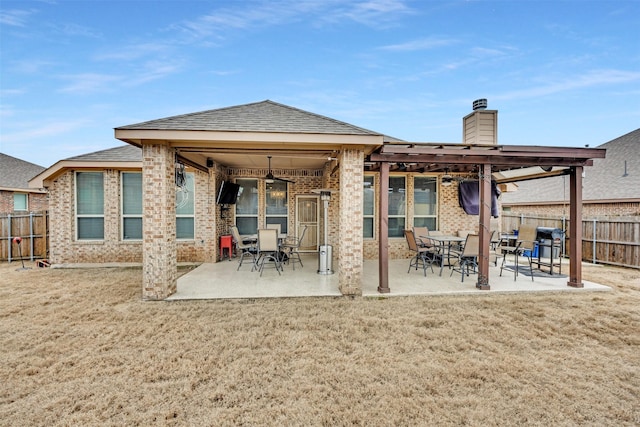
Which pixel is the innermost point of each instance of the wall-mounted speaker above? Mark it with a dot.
(209, 162)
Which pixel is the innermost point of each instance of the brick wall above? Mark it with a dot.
(36, 202)
(159, 260)
(350, 248)
(64, 248)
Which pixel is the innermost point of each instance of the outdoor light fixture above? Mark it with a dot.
(446, 178)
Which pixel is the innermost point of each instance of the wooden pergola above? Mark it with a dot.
(503, 164)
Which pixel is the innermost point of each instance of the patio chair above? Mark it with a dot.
(247, 249)
(422, 256)
(291, 248)
(275, 227)
(268, 248)
(467, 261)
(525, 242)
(420, 234)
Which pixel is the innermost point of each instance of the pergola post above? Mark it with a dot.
(575, 228)
(486, 199)
(383, 230)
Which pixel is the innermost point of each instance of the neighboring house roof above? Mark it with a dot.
(123, 157)
(125, 153)
(264, 116)
(16, 173)
(604, 181)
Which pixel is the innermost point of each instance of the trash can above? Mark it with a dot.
(325, 260)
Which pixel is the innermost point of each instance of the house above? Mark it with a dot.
(611, 187)
(156, 200)
(15, 195)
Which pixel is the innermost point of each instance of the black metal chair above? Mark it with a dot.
(247, 249)
(523, 246)
(291, 248)
(467, 261)
(268, 249)
(422, 257)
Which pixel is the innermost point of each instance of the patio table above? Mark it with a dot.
(445, 244)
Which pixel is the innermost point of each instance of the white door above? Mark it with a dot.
(308, 213)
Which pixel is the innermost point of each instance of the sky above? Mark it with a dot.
(560, 73)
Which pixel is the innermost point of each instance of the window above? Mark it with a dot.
(369, 207)
(20, 202)
(185, 208)
(131, 206)
(277, 205)
(397, 206)
(425, 202)
(89, 206)
(247, 206)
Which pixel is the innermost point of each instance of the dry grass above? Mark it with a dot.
(79, 347)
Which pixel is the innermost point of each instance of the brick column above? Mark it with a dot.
(159, 256)
(350, 261)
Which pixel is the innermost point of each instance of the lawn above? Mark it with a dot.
(79, 347)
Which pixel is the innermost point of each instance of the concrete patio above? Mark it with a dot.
(221, 281)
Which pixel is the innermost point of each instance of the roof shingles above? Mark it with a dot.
(16, 173)
(264, 116)
(605, 180)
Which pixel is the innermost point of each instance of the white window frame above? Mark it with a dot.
(192, 196)
(285, 202)
(25, 197)
(435, 216)
(79, 216)
(373, 215)
(404, 208)
(255, 215)
(124, 216)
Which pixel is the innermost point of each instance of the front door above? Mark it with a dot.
(307, 213)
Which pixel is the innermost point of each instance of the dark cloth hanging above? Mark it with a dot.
(469, 197)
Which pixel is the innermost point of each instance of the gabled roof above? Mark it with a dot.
(123, 157)
(16, 173)
(264, 116)
(125, 153)
(604, 181)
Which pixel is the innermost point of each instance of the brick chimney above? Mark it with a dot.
(481, 126)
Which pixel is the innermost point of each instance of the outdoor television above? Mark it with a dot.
(228, 193)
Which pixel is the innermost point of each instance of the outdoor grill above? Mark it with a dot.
(548, 236)
(549, 233)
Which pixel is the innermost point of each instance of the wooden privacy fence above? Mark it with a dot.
(614, 241)
(32, 228)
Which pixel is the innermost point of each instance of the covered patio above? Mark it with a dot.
(221, 280)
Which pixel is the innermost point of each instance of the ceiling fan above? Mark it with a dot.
(270, 178)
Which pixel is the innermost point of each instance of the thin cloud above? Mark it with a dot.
(133, 51)
(44, 130)
(89, 83)
(15, 17)
(420, 44)
(155, 71)
(374, 13)
(263, 14)
(590, 79)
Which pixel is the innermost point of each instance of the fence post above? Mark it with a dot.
(31, 233)
(594, 240)
(564, 238)
(9, 245)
